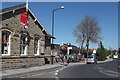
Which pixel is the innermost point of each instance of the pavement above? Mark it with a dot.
(38, 68)
(31, 69)
(106, 60)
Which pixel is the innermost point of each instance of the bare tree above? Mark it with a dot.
(79, 33)
(87, 31)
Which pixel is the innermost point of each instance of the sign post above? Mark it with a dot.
(68, 50)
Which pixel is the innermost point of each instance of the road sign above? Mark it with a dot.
(94, 50)
(69, 47)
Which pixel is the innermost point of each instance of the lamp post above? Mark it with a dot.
(62, 7)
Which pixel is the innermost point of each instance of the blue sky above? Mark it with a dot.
(67, 19)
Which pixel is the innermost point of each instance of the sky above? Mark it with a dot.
(60, 0)
(68, 18)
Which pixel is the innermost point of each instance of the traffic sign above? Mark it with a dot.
(69, 47)
(94, 50)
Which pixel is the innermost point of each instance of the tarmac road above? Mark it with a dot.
(107, 70)
(101, 70)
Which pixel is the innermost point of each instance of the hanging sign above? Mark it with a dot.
(24, 20)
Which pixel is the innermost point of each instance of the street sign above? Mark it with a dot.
(94, 50)
(69, 47)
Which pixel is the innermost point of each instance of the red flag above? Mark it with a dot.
(24, 19)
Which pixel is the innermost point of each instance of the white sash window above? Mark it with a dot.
(23, 45)
(36, 46)
(6, 43)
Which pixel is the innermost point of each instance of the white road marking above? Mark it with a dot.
(57, 78)
(57, 70)
(56, 73)
(107, 72)
(104, 73)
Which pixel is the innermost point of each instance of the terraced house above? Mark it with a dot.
(24, 41)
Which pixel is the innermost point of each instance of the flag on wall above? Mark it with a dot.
(24, 19)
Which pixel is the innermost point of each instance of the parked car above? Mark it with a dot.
(115, 56)
(91, 59)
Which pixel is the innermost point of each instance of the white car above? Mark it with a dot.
(91, 59)
(115, 56)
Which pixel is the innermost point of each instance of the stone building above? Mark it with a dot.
(19, 46)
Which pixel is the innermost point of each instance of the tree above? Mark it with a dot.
(87, 31)
(101, 52)
(101, 45)
(79, 33)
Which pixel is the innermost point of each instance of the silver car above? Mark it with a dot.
(91, 59)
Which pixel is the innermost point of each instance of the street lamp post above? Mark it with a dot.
(62, 7)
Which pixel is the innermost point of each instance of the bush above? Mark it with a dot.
(101, 54)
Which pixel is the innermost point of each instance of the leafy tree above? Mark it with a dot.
(101, 52)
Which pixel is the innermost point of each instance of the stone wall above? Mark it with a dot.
(0, 43)
(48, 50)
(11, 22)
(21, 63)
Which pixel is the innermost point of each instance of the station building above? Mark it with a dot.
(22, 46)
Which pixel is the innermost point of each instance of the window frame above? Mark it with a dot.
(37, 53)
(9, 42)
(23, 43)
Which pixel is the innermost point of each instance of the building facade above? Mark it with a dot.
(22, 47)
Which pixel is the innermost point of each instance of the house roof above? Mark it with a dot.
(14, 8)
(5, 10)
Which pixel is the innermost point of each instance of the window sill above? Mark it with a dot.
(23, 54)
(5, 54)
(36, 54)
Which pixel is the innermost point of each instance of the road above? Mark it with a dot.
(100, 70)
